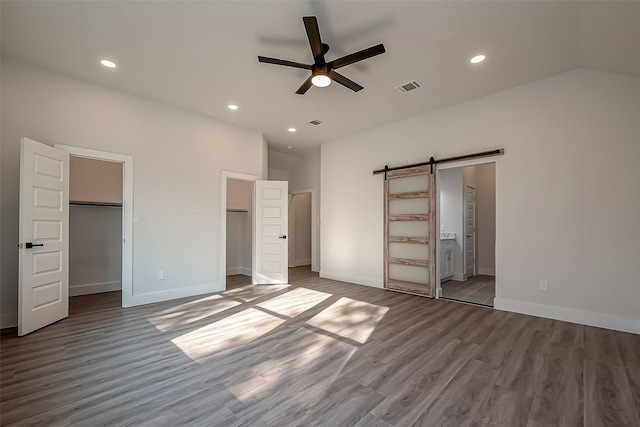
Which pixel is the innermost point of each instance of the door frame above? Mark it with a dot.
(452, 165)
(127, 210)
(315, 263)
(226, 175)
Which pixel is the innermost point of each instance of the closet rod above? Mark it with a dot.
(237, 211)
(499, 151)
(110, 205)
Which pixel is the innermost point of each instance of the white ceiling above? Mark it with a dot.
(201, 56)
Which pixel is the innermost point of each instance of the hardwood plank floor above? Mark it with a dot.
(478, 289)
(315, 352)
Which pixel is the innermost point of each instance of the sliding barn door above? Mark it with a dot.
(410, 231)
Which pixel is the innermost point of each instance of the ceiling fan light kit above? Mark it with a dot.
(322, 72)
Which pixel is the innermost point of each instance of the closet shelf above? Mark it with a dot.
(237, 211)
(110, 205)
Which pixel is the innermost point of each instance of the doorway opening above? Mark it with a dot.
(467, 223)
(238, 245)
(300, 229)
(100, 223)
(239, 232)
(95, 226)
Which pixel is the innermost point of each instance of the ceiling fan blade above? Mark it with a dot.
(313, 33)
(345, 81)
(305, 86)
(283, 62)
(358, 56)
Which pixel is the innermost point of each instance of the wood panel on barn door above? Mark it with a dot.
(409, 231)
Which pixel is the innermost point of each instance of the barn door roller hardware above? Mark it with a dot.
(432, 161)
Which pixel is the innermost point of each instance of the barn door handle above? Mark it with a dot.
(30, 245)
(283, 237)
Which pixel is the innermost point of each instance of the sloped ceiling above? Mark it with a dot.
(201, 56)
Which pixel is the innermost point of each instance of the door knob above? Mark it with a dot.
(30, 245)
(283, 237)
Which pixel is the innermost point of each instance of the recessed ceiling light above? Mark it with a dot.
(107, 63)
(289, 147)
(232, 107)
(477, 59)
(291, 129)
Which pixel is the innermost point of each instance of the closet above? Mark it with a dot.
(239, 229)
(95, 226)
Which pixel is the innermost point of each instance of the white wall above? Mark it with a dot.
(239, 230)
(178, 159)
(486, 218)
(567, 203)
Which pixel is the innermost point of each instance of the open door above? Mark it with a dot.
(43, 284)
(271, 216)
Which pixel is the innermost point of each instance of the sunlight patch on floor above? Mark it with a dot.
(190, 312)
(228, 333)
(350, 318)
(314, 356)
(294, 302)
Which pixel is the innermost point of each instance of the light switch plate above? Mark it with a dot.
(136, 219)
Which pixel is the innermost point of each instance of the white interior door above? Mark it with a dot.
(43, 294)
(470, 230)
(271, 207)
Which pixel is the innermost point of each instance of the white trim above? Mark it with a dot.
(172, 294)
(470, 162)
(246, 271)
(374, 282)
(94, 288)
(9, 320)
(232, 271)
(315, 227)
(223, 223)
(489, 271)
(127, 210)
(459, 277)
(590, 318)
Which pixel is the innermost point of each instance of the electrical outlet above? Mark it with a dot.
(160, 275)
(544, 286)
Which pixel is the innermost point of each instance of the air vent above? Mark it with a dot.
(409, 86)
(315, 122)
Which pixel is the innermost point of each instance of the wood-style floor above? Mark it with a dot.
(316, 352)
(478, 289)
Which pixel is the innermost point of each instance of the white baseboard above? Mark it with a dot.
(94, 288)
(8, 320)
(151, 297)
(374, 282)
(232, 271)
(489, 271)
(300, 262)
(600, 320)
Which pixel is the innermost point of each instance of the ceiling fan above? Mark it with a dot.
(322, 72)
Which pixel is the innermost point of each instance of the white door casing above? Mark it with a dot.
(43, 283)
(469, 231)
(271, 227)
